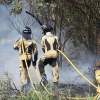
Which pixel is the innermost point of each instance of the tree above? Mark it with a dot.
(74, 20)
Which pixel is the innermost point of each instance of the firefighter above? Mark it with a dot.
(49, 43)
(30, 47)
(97, 76)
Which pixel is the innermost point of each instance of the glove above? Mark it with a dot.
(34, 63)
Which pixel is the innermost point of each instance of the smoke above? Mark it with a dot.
(81, 61)
(8, 36)
(9, 57)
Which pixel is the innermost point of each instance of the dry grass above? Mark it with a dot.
(8, 91)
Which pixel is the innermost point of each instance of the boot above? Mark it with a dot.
(56, 85)
(44, 80)
(55, 90)
(24, 87)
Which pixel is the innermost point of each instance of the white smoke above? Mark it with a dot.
(9, 57)
(8, 36)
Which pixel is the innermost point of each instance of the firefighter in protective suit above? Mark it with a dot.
(97, 75)
(29, 48)
(49, 45)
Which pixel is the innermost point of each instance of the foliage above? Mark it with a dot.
(6, 1)
(16, 7)
(10, 92)
(74, 20)
(1, 1)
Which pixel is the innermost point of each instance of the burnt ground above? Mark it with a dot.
(78, 89)
(71, 91)
(65, 92)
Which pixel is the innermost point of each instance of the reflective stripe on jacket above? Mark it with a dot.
(29, 47)
(49, 42)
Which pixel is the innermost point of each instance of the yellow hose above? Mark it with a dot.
(41, 81)
(96, 96)
(27, 65)
(74, 68)
(28, 70)
(79, 72)
(40, 78)
(77, 69)
(35, 70)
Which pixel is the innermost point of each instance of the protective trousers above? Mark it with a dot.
(23, 69)
(50, 58)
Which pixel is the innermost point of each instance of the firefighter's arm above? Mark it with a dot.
(58, 45)
(42, 44)
(16, 45)
(35, 51)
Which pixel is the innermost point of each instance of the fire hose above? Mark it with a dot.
(40, 78)
(79, 72)
(41, 81)
(28, 69)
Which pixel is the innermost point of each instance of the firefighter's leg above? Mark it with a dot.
(45, 60)
(27, 76)
(97, 76)
(41, 66)
(54, 66)
(23, 73)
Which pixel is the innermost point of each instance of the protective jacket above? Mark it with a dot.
(29, 48)
(49, 42)
(49, 45)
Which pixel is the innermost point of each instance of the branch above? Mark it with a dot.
(34, 17)
(15, 86)
(88, 7)
(8, 1)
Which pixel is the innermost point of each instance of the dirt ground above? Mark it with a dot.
(80, 91)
